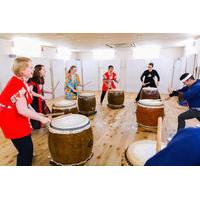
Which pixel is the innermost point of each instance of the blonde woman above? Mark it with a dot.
(16, 112)
(72, 83)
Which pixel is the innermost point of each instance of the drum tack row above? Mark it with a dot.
(70, 135)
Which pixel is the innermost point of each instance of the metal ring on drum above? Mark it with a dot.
(70, 140)
(116, 99)
(148, 111)
(87, 104)
(66, 106)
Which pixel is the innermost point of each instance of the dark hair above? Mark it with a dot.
(185, 75)
(72, 67)
(36, 75)
(110, 66)
(151, 64)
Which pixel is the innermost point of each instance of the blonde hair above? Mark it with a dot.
(20, 64)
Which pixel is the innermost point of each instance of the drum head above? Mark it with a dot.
(87, 94)
(150, 89)
(70, 122)
(150, 102)
(64, 103)
(139, 152)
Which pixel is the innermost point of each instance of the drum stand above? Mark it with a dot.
(54, 163)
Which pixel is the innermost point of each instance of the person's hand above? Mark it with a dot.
(143, 84)
(158, 83)
(74, 90)
(42, 97)
(45, 120)
(170, 90)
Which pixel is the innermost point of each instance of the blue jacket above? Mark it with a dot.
(192, 94)
(182, 150)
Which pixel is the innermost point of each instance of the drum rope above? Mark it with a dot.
(76, 164)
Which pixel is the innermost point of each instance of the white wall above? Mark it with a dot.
(58, 71)
(128, 69)
(90, 74)
(5, 70)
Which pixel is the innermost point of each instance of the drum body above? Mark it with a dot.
(148, 111)
(116, 98)
(149, 93)
(66, 106)
(87, 104)
(140, 151)
(70, 139)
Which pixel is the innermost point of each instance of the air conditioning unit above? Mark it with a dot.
(121, 45)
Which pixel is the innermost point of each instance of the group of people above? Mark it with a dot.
(23, 92)
(22, 100)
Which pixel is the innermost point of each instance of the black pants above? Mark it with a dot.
(189, 114)
(25, 150)
(103, 95)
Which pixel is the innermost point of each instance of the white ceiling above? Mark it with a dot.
(88, 41)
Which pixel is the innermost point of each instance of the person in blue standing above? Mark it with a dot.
(191, 93)
(182, 150)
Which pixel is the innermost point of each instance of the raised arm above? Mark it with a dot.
(23, 110)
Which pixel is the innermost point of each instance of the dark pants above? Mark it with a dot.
(25, 150)
(103, 95)
(189, 114)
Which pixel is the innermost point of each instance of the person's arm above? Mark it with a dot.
(47, 92)
(191, 92)
(142, 76)
(78, 81)
(115, 78)
(173, 93)
(157, 75)
(23, 110)
(38, 95)
(105, 80)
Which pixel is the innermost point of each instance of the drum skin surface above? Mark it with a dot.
(72, 148)
(147, 115)
(87, 104)
(140, 151)
(115, 99)
(149, 93)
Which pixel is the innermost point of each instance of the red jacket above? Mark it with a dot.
(12, 123)
(109, 81)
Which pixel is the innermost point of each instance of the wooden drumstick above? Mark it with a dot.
(56, 86)
(54, 114)
(158, 136)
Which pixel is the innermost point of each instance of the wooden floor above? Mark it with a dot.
(113, 131)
